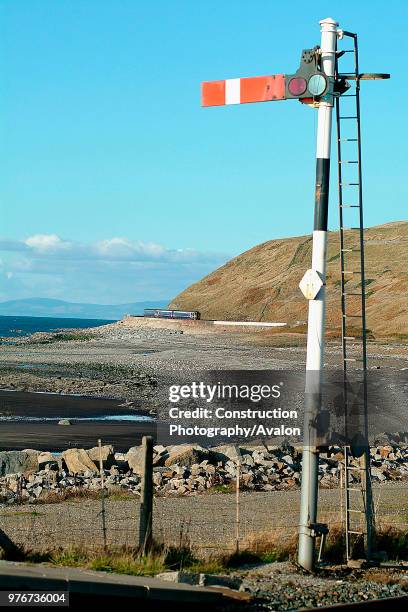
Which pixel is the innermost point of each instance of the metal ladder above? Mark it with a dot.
(358, 511)
(353, 302)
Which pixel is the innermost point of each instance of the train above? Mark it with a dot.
(160, 313)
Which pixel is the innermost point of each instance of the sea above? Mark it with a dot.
(23, 326)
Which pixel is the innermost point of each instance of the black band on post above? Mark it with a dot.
(322, 194)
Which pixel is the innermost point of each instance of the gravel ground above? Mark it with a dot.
(282, 586)
(274, 586)
(40, 526)
(136, 358)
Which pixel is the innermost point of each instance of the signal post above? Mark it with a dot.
(315, 83)
(317, 307)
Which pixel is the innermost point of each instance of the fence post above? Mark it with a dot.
(101, 472)
(341, 496)
(237, 508)
(146, 495)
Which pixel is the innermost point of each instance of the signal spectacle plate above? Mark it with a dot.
(317, 84)
(297, 86)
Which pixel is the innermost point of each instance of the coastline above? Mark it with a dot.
(133, 362)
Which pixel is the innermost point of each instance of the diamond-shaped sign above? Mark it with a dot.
(311, 284)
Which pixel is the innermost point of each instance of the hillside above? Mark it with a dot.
(262, 283)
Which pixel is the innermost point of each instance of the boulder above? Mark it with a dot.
(186, 454)
(160, 454)
(134, 458)
(377, 473)
(77, 461)
(230, 582)
(120, 461)
(385, 451)
(247, 460)
(47, 460)
(64, 422)
(179, 576)
(225, 452)
(107, 452)
(36, 491)
(13, 462)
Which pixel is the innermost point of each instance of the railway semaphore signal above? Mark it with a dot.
(318, 83)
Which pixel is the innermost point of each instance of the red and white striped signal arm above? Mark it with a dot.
(243, 91)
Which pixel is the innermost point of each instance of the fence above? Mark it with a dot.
(210, 522)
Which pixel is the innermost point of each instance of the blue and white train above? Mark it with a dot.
(159, 313)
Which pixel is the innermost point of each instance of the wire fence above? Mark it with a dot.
(210, 522)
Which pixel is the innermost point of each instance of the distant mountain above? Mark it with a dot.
(44, 307)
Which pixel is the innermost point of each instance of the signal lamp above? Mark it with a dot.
(317, 84)
(297, 86)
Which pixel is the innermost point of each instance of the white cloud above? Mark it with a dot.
(42, 246)
(46, 242)
(113, 270)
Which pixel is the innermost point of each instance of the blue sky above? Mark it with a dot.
(115, 184)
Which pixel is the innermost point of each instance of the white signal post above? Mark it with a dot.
(314, 85)
(317, 309)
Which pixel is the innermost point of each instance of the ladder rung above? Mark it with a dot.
(357, 511)
(348, 139)
(355, 294)
(348, 161)
(351, 250)
(350, 228)
(352, 359)
(354, 467)
(349, 337)
(356, 532)
(349, 117)
(348, 184)
(349, 205)
(348, 96)
(354, 489)
(352, 272)
(352, 316)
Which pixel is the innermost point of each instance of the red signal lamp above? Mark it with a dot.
(297, 85)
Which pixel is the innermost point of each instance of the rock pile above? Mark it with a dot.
(31, 475)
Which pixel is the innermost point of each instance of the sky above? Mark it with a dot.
(116, 186)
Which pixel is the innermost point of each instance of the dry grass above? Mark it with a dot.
(120, 561)
(278, 545)
(79, 494)
(393, 540)
(388, 579)
(255, 549)
(270, 545)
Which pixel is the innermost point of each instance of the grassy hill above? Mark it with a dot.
(262, 283)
